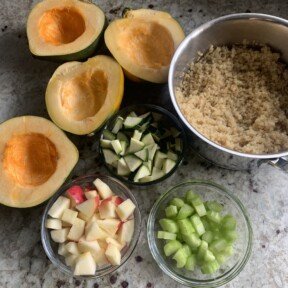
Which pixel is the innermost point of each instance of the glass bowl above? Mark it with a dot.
(168, 118)
(51, 247)
(242, 246)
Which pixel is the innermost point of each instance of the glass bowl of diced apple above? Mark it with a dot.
(91, 226)
(200, 234)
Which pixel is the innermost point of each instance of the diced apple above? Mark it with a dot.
(69, 216)
(103, 189)
(71, 260)
(94, 232)
(59, 236)
(85, 265)
(87, 207)
(76, 195)
(103, 244)
(58, 207)
(125, 209)
(126, 232)
(76, 230)
(101, 258)
(119, 245)
(53, 224)
(117, 200)
(83, 217)
(91, 194)
(109, 225)
(72, 248)
(62, 249)
(89, 246)
(107, 209)
(113, 254)
(92, 219)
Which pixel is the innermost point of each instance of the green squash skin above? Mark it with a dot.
(77, 56)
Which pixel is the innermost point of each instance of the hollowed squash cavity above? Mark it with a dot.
(80, 96)
(84, 95)
(61, 26)
(150, 44)
(30, 159)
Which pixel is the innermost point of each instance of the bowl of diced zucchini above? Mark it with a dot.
(200, 234)
(142, 144)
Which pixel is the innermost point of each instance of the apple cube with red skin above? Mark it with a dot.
(85, 265)
(109, 225)
(125, 209)
(117, 200)
(58, 207)
(107, 209)
(126, 232)
(76, 230)
(88, 207)
(113, 254)
(103, 189)
(76, 195)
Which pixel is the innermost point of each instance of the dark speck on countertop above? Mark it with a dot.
(138, 258)
(77, 283)
(60, 283)
(149, 285)
(124, 284)
(190, 10)
(248, 11)
(113, 279)
(277, 231)
(150, 6)
(263, 246)
(114, 10)
(96, 285)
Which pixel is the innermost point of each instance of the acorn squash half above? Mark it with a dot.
(36, 158)
(143, 43)
(65, 30)
(80, 97)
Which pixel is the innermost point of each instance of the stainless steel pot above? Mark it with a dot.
(230, 29)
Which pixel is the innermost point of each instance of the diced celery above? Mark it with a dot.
(169, 225)
(208, 237)
(191, 262)
(210, 268)
(171, 211)
(192, 240)
(171, 247)
(199, 206)
(202, 250)
(187, 249)
(185, 211)
(180, 257)
(228, 222)
(214, 216)
(185, 227)
(209, 256)
(218, 245)
(214, 206)
(166, 235)
(197, 224)
(230, 235)
(190, 195)
(178, 202)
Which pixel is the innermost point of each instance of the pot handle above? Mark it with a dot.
(280, 163)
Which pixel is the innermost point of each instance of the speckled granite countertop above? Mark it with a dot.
(263, 191)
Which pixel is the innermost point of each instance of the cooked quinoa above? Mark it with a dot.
(238, 98)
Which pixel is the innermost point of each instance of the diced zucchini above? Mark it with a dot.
(178, 145)
(124, 146)
(156, 174)
(104, 143)
(174, 132)
(109, 156)
(143, 154)
(108, 135)
(135, 146)
(132, 114)
(143, 116)
(137, 135)
(116, 146)
(148, 164)
(152, 150)
(168, 165)
(122, 137)
(132, 122)
(148, 139)
(172, 156)
(132, 162)
(118, 125)
(141, 173)
(122, 168)
(159, 159)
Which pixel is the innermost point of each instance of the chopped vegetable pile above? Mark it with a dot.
(140, 148)
(197, 233)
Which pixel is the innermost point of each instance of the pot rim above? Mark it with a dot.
(178, 52)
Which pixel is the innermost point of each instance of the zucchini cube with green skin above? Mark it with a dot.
(118, 125)
(141, 173)
(142, 154)
(109, 156)
(168, 165)
(198, 225)
(169, 225)
(116, 145)
(135, 146)
(148, 139)
(132, 162)
(132, 121)
(172, 247)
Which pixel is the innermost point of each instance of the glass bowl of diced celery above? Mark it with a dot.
(200, 234)
(142, 144)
